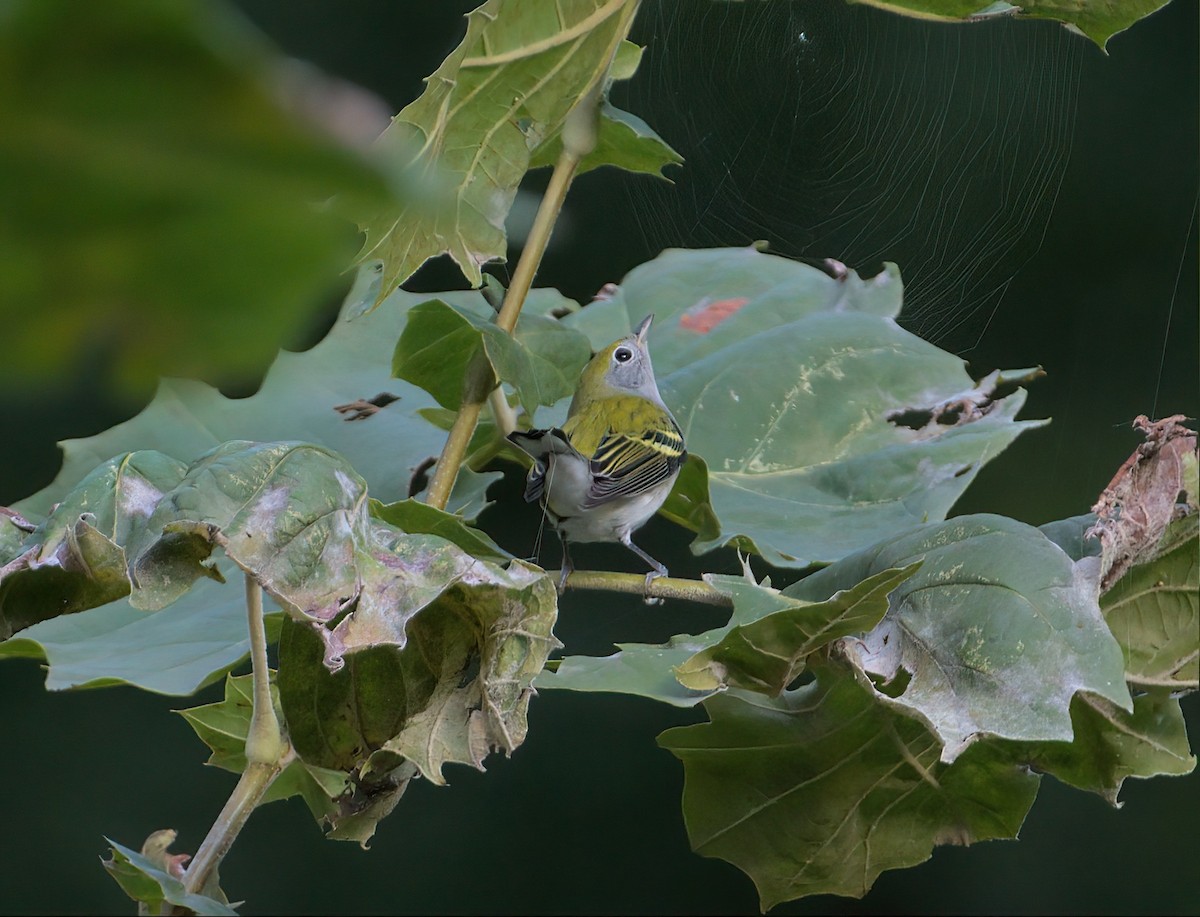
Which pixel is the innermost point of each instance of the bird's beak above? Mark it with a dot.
(644, 328)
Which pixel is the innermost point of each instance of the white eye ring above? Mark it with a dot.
(622, 355)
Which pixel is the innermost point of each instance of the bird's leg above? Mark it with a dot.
(659, 569)
(567, 565)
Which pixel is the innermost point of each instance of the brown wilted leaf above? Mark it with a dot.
(1140, 501)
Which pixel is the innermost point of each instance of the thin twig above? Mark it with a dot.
(266, 754)
(663, 587)
(579, 139)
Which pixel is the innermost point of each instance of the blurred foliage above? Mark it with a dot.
(158, 205)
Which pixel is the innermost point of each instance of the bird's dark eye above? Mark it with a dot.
(622, 355)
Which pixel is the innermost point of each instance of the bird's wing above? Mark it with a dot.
(627, 462)
(539, 444)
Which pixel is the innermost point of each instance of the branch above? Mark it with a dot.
(579, 139)
(267, 752)
(663, 587)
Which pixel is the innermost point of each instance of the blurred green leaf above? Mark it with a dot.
(1154, 612)
(156, 201)
(993, 636)
(1099, 20)
(823, 425)
(541, 361)
(1072, 536)
(500, 94)
(822, 789)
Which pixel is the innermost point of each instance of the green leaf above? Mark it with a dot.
(822, 789)
(296, 402)
(509, 86)
(623, 140)
(1111, 744)
(75, 560)
(458, 688)
(178, 650)
(417, 518)
(147, 884)
(1072, 536)
(223, 727)
(1154, 612)
(196, 640)
(767, 654)
(186, 214)
(1099, 20)
(823, 425)
(993, 636)
(687, 669)
(541, 361)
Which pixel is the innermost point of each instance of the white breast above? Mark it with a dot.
(567, 480)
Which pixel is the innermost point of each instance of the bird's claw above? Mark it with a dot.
(650, 578)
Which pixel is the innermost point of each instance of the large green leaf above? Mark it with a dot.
(297, 401)
(505, 90)
(145, 147)
(1099, 20)
(993, 636)
(1154, 612)
(293, 516)
(459, 687)
(177, 650)
(764, 646)
(823, 425)
(188, 644)
(822, 789)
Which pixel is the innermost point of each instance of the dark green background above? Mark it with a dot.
(585, 818)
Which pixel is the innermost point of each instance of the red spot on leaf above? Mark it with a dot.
(706, 315)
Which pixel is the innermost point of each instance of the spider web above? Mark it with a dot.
(832, 130)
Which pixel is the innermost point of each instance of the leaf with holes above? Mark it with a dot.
(822, 424)
(197, 639)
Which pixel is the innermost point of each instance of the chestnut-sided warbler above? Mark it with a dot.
(611, 465)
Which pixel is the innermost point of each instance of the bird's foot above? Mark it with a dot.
(650, 578)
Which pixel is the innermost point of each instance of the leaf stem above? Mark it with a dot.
(266, 754)
(663, 587)
(579, 139)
